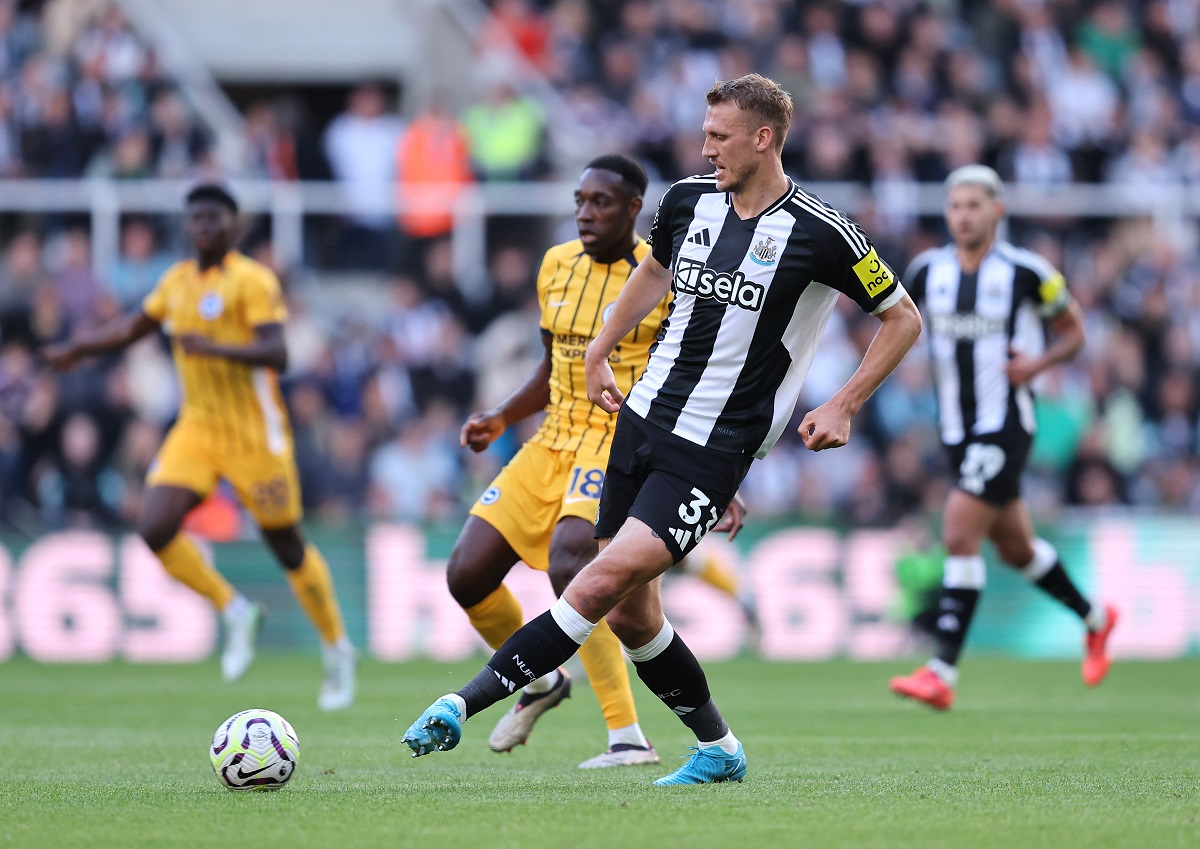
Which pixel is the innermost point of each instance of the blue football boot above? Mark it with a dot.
(709, 765)
(438, 729)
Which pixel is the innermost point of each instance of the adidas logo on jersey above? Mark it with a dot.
(696, 278)
(700, 238)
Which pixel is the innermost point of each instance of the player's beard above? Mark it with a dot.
(739, 179)
(977, 240)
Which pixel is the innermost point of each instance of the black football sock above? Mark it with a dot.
(1046, 572)
(962, 582)
(537, 649)
(1058, 585)
(956, 608)
(667, 666)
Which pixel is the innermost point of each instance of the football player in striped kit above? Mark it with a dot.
(985, 302)
(756, 265)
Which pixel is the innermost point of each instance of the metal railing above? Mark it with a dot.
(287, 204)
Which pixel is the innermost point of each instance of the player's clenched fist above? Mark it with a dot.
(825, 427)
(481, 430)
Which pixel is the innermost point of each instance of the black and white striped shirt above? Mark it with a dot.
(971, 320)
(751, 300)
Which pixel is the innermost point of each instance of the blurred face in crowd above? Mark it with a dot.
(732, 146)
(605, 213)
(209, 226)
(972, 214)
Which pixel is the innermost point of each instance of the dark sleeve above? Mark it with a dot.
(915, 276)
(852, 266)
(660, 239)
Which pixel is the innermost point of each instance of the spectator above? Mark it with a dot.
(56, 146)
(81, 492)
(341, 483)
(433, 163)
(505, 132)
(176, 144)
(415, 477)
(138, 265)
(21, 276)
(361, 145)
(1036, 161)
(75, 287)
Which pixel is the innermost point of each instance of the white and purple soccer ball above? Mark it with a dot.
(255, 750)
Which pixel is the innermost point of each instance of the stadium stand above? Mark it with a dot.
(890, 95)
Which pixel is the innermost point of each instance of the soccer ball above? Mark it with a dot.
(255, 750)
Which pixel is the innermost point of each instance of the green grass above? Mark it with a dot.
(115, 756)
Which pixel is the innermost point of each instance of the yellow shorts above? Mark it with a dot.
(267, 484)
(536, 489)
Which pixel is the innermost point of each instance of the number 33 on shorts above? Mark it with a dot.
(693, 513)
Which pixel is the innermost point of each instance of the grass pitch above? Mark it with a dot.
(115, 756)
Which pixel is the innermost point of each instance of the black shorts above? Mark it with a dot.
(989, 465)
(679, 489)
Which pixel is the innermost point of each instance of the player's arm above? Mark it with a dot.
(484, 428)
(113, 335)
(828, 426)
(644, 291)
(1066, 329)
(269, 348)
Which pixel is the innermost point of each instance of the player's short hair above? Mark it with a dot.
(213, 191)
(631, 173)
(976, 175)
(762, 99)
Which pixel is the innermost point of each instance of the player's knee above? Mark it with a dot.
(1017, 553)
(566, 562)
(594, 593)
(959, 543)
(631, 628)
(464, 581)
(288, 546)
(156, 532)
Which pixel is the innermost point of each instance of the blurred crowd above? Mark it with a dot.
(888, 94)
(82, 95)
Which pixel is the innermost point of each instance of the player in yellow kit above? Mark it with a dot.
(541, 508)
(224, 314)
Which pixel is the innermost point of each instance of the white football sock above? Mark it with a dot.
(729, 744)
(542, 685)
(943, 670)
(630, 735)
(238, 607)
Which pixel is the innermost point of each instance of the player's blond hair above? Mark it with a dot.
(763, 100)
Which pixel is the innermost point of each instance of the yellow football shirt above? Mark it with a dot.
(576, 295)
(239, 407)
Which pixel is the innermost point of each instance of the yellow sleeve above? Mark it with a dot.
(262, 298)
(545, 275)
(154, 305)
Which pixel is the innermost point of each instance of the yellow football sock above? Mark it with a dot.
(497, 617)
(184, 562)
(606, 670)
(313, 587)
(717, 574)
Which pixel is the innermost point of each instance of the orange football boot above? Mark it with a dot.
(1096, 662)
(924, 685)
